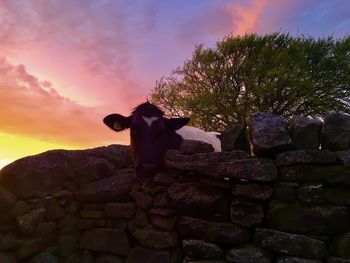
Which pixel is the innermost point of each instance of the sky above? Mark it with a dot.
(66, 64)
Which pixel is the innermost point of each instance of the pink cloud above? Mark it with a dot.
(33, 108)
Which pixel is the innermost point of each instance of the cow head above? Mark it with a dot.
(151, 134)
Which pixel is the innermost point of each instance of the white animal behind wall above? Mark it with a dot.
(193, 133)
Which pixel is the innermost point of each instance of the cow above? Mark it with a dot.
(151, 135)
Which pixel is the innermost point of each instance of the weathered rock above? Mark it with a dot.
(166, 179)
(117, 223)
(106, 240)
(199, 249)
(142, 200)
(151, 237)
(140, 220)
(248, 254)
(219, 182)
(164, 222)
(286, 192)
(83, 256)
(42, 202)
(252, 190)
(305, 157)
(312, 193)
(269, 134)
(162, 200)
(297, 260)
(111, 189)
(317, 174)
(335, 133)
(198, 199)
(234, 138)
(68, 244)
(30, 175)
(90, 223)
(8, 241)
(55, 212)
(27, 223)
(19, 208)
(307, 218)
(205, 163)
(305, 132)
(144, 255)
(337, 195)
(220, 233)
(7, 199)
(30, 247)
(46, 229)
(343, 157)
(108, 259)
(120, 210)
(290, 244)
(246, 213)
(340, 246)
(7, 258)
(45, 257)
(191, 147)
(91, 214)
(338, 260)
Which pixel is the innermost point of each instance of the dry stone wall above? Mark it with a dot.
(289, 202)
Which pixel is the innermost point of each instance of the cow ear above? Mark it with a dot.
(117, 122)
(176, 123)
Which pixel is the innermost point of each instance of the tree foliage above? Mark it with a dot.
(278, 73)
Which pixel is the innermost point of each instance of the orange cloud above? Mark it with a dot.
(246, 16)
(33, 108)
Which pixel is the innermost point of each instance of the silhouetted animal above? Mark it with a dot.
(151, 135)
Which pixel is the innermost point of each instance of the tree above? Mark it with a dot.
(277, 73)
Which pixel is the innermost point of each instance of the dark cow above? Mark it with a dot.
(151, 134)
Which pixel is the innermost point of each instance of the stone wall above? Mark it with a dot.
(289, 202)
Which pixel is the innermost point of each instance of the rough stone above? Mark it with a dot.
(215, 232)
(269, 134)
(338, 260)
(144, 255)
(340, 245)
(19, 208)
(297, 260)
(248, 254)
(27, 223)
(338, 195)
(162, 200)
(8, 241)
(312, 193)
(142, 200)
(91, 214)
(286, 192)
(290, 244)
(83, 256)
(30, 175)
(72, 207)
(234, 138)
(335, 133)
(198, 199)
(7, 258)
(90, 223)
(44, 257)
(68, 244)
(151, 237)
(55, 212)
(308, 218)
(199, 249)
(120, 210)
(29, 247)
(111, 189)
(7, 198)
(246, 213)
(164, 222)
(316, 174)
(140, 220)
(305, 157)
(252, 190)
(108, 259)
(46, 229)
(191, 147)
(343, 157)
(305, 132)
(106, 240)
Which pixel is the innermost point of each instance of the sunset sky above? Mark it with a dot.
(66, 64)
